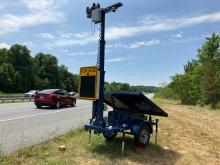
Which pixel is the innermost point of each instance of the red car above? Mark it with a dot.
(54, 97)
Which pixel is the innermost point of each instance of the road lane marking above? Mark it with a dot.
(23, 117)
(15, 108)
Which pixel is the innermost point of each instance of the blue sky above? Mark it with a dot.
(147, 41)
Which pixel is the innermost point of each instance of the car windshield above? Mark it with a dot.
(48, 91)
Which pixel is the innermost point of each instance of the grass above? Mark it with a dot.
(190, 135)
(11, 94)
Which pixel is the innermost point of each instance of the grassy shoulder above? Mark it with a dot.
(190, 135)
(11, 94)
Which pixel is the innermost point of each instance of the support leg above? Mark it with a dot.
(156, 131)
(123, 144)
(90, 135)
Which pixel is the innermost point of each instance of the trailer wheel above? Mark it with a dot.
(110, 137)
(143, 136)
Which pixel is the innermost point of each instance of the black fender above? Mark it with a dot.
(135, 128)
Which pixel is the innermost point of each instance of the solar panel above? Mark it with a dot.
(133, 101)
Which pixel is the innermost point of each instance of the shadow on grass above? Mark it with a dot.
(152, 154)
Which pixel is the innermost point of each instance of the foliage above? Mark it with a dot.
(166, 92)
(210, 81)
(200, 82)
(117, 86)
(20, 72)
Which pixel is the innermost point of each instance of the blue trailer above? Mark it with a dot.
(131, 114)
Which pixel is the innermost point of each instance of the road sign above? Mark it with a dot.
(89, 83)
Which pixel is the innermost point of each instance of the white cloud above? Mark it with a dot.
(28, 44)
(63, 50)
(4, 45)
(115, 60)
(159, 24)
(46, 36)
(136, 44)
(12, 23)
(187, 39)
(82, 53)
(76, 35)
(67, 35)
(148, 25)
(40, 12)
(73, 39)
(43, 4)
(145, 43)
(178, 35)
(76, 40)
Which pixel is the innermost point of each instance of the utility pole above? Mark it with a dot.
(97, 15)
(25, 69)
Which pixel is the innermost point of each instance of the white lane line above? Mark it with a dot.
(22, 117)
(15, 108)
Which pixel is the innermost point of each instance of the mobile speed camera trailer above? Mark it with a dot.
(132, 111)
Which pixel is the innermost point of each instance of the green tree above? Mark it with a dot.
(47, 70)
(4, 56)
(22, 62)
(7, 78)
(210, 85)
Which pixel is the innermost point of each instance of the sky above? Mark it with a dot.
(147, 41)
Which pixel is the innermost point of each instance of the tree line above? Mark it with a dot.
(20, 72)
(117, 86)
(200, 82)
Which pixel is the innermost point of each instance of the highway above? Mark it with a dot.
(22, 124)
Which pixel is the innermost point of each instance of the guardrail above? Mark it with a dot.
(4, 99)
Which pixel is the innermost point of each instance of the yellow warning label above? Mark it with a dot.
(88, 71)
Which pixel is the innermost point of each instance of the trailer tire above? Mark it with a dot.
(143, 137)
(110, 137)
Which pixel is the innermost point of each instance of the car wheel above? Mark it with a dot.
(58, 105)
(143, 136)
(39, 106)
(73, 103)
(110, 137)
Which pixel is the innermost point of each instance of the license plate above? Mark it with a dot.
(41, 97)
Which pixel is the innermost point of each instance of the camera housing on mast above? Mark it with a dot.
(94, 13)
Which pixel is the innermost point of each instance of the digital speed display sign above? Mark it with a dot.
(89, 83)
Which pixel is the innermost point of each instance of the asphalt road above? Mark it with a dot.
(21, 124)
